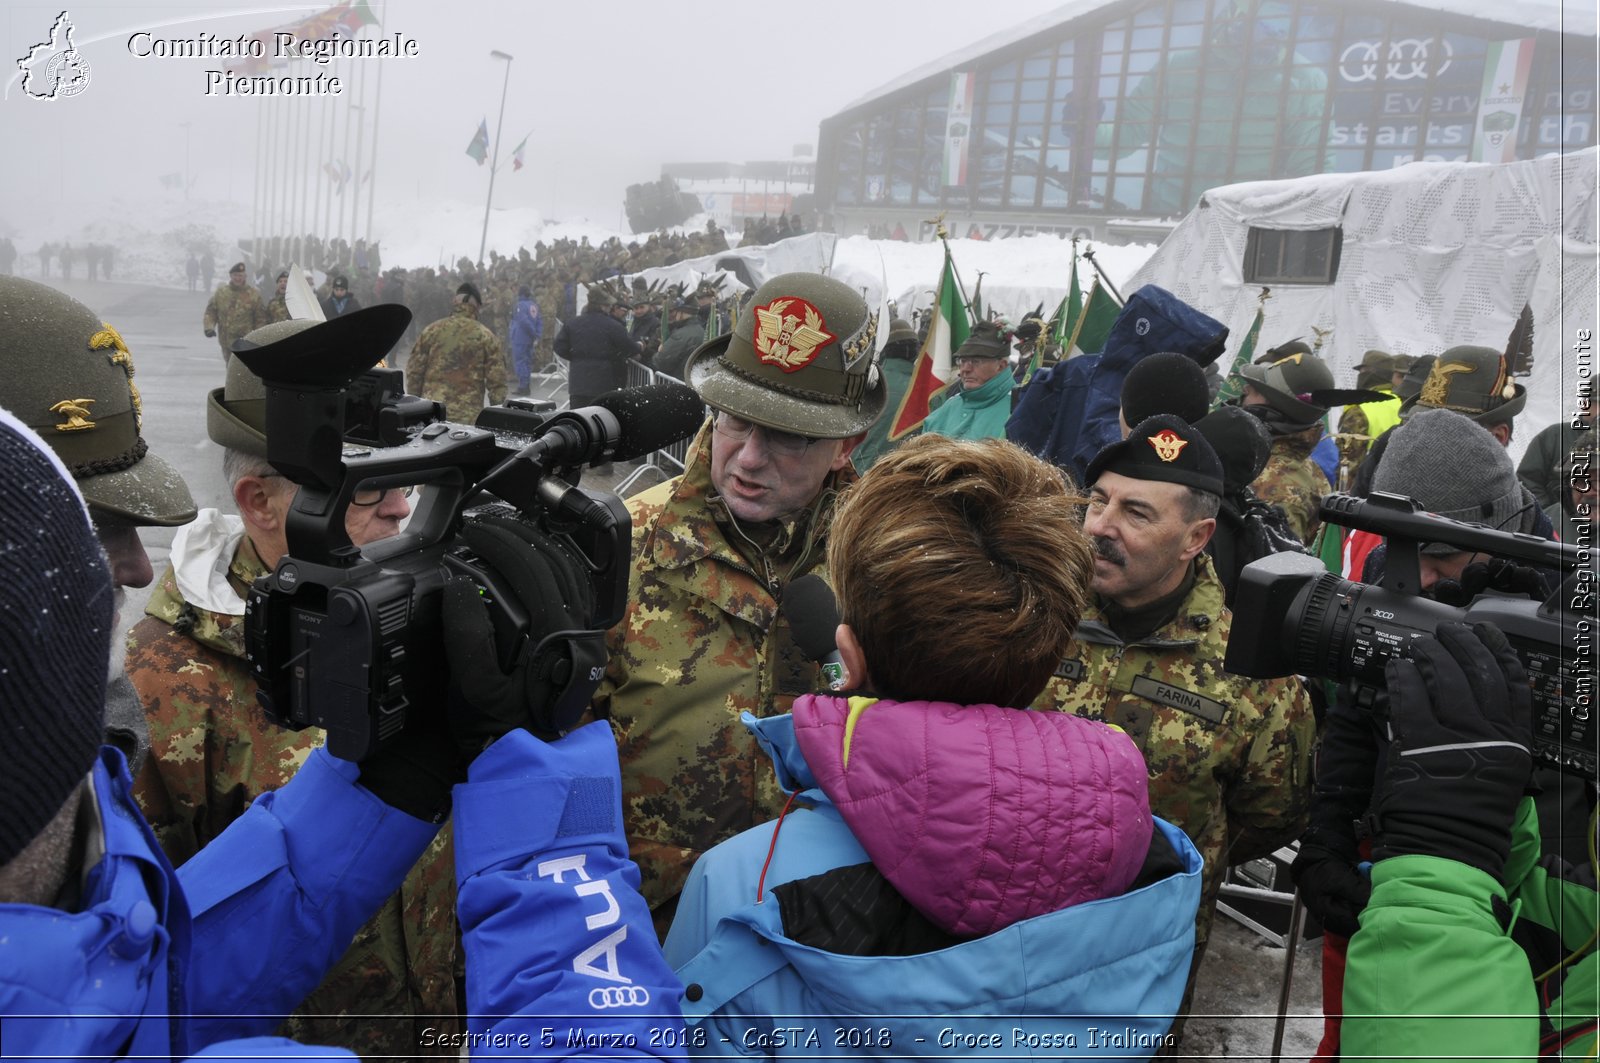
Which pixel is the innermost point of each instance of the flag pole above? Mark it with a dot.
(1088, 253)
(499, 122)
(372, 171)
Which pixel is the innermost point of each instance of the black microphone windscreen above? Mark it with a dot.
(813, 613)
(652, 416)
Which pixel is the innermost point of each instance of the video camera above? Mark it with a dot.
(1292, 616)
(349, 639)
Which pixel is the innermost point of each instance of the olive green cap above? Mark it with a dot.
(1473, 381)
(236, 413)
(69, 376)
(1287, 385)
(802, 359)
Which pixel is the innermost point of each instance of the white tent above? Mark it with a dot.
(1434, 255)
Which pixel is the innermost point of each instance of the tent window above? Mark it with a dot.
(1292, 256)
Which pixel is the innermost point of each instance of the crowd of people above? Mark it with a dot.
(96, 259)
(999, 828)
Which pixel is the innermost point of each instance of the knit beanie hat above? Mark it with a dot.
(1165, 382)
(1455, 468)
(55, 636)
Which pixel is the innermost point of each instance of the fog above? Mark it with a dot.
(605, 93)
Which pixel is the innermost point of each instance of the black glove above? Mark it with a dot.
(1496, 574)
(211, 333)
(1461, 724)
(1331, 886)
(414, 770)
(554, 671)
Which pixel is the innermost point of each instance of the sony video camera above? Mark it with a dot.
(349, 639)
(1292, 616)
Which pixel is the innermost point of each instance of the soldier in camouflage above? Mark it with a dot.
(1280, 394)
(214, 751)
(793, 389)
(278, 305)
(1229, 757)
(457, 361)
(234, 310)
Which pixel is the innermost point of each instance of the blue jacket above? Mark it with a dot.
(1069, 411)
(526, 327)
(1096, 976)
(560, 949)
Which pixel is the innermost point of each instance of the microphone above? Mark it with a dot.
(620, 426)
(809, 606)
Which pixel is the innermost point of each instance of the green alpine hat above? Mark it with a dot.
(1473, 381)
(1376, 368)
(801, 359)
(1286, 350)
(69, 376)
(236, 413)
(988, 339)
(1287, 385)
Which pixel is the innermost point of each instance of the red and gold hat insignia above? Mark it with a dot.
(1168, 444)
(789, 332)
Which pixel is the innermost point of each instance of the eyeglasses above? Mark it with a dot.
(788, 444)
(969, 361)
(373, 496)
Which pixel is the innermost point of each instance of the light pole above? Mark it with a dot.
(494, 163)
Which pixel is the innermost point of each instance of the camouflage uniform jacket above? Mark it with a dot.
(277, 309)
(1229, 757)
(234, 312)
(1359, 425)
(1292, 480)
(213, 751)
(456, 360)
(701, 642)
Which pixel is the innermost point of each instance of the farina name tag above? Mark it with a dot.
(1179, 698)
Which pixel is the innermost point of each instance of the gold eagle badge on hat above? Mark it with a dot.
(109, 337)
(786, 339)
(1168, 444)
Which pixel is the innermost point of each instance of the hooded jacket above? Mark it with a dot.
(1037, 847)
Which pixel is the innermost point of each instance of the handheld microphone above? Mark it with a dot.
(813, 612)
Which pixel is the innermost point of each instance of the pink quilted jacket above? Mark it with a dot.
(982, 816)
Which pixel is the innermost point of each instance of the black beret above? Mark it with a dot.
(237, 267)
(470, 290)
(1166, 448)
(1241, 441)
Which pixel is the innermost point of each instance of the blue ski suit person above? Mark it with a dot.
(526, 329)
(107, 952)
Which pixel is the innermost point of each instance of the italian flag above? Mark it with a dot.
(935, 366)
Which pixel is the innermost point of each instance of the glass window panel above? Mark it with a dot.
(1128, 193)
(1365, 27)
(1110, 62)
(1115, 40)
(1349, 160)
(1024, 188)
(1061, 88)
(1034, 90)
(907, 127)
(1187, 36)
(997, 114)
(1004, 73)
(1097, 191)
(1140, 63)
(902, 178)
(1316, 27)
(1036, 68)
(1148, 37)
(1320, 54)
(1000, 91)
(1110, 88)
(1188, 11)
(1136, 162)
(1151, 15)
(1030, 133)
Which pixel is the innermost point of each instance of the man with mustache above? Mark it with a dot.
(1229, 757)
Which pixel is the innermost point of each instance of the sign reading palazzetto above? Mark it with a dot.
(252, 56)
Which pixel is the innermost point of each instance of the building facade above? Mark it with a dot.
(1110, 119)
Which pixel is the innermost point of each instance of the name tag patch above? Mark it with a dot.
(1069, 669)
(1179, 698)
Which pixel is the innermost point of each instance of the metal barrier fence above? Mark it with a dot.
(668, 461)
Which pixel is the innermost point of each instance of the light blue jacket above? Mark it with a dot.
(549, 906)
(1103, 977)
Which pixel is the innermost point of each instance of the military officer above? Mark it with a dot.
(278, 305)
(214, 751)
(457, 361)
(1229, 757)
(792, 389)
(234, 309)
